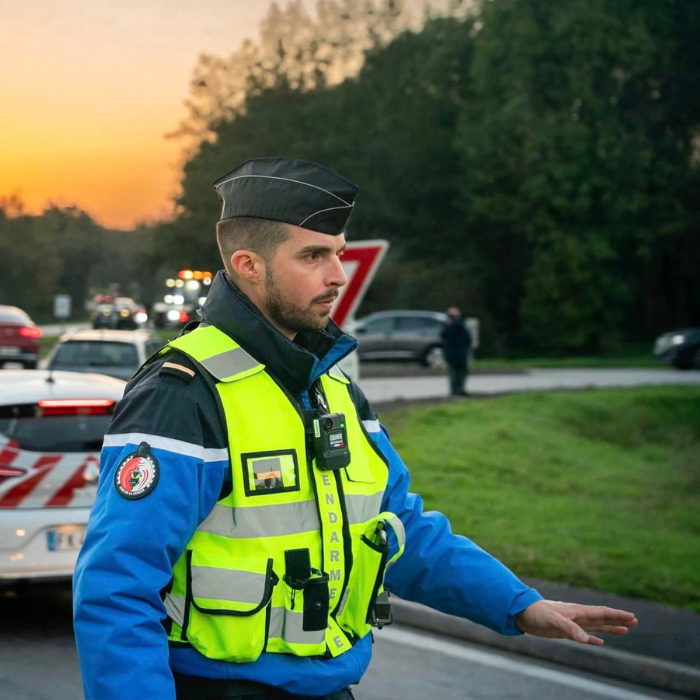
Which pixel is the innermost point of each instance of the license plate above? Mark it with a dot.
(65, 540)
(9, 350)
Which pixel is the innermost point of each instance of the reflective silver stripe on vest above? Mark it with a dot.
(289, 625)
(363, 508)
(222, 584)
(398, 528)
(262, 521)
(228, 364)
(284, 519)
(175, 607)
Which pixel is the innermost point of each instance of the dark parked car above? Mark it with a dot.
(679, 348)
(121, 314)
(19, 337)
(401, 335)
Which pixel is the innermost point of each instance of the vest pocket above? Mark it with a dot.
(366, 579)
(359, 469)
(306, 604)
(228, 609)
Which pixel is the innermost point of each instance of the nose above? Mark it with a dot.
(337, 277)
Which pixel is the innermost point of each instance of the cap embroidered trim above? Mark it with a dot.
(311, 216)
(285, 179)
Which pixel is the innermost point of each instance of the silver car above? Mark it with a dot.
(402, 335)
(51, 431)
(115, 353)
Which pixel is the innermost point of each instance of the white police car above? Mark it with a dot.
(52, 426)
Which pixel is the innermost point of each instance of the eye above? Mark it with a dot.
(313, 256)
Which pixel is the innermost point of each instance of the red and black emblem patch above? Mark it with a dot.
(137, 474)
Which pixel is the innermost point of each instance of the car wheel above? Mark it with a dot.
(29, 364)
(686, 359)
(434, 358)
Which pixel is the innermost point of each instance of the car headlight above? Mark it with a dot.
(678, 339)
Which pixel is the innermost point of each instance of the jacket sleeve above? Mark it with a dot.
(445, 571)
(131, 545)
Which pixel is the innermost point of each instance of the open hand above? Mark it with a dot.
(549, 618)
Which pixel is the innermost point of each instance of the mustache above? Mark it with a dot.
(326, 297)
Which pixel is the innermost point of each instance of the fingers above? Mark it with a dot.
(607, 629)
(582, 637)
(600, 614)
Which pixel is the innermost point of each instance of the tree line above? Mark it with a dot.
(64, 251)
(535, 163)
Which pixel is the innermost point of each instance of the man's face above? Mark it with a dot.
(303, 279)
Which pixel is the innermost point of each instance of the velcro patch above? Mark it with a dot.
(137, 474)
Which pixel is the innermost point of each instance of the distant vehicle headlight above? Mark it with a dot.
(141, 317)
(173, 315)
(678, 339)
(178, 299)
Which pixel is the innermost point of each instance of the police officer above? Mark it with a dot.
(251, 509)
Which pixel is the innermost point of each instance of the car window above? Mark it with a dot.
(15, 316)
(380, 325)
(35, 433)
(96, 353)
(416, 323)
(152, 346)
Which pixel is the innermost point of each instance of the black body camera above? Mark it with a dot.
(331, 441)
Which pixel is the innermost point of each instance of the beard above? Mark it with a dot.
(294, 317)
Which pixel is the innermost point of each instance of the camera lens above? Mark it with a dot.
(328, 423)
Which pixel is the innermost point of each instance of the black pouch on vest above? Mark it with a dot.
(316, 604)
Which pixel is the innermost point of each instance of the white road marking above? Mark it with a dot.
(427, 643)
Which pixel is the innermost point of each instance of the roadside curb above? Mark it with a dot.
(644, 670)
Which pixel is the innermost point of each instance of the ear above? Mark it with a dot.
(248, 266)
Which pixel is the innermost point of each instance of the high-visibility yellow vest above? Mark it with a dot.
(233, 595)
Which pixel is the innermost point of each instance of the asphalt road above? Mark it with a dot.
(38, 662)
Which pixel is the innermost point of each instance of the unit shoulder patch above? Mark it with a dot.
(137, 474)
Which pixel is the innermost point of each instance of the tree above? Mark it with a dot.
(577, 158)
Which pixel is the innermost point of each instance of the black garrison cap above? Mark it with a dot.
(293, 191)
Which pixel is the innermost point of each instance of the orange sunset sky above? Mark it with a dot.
(89, 88)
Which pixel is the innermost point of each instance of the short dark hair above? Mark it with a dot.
(262, 236)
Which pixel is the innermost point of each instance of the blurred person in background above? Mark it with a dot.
(456, 347)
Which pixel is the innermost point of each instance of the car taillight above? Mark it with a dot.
(184, 317)
(73, 407)
(30, 332)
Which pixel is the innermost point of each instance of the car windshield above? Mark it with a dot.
(96, 354)
(35, 433)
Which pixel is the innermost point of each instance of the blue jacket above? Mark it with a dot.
(131, 545)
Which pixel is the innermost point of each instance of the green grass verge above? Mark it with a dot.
(598, 488)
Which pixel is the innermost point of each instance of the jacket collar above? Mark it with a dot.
(297, 364)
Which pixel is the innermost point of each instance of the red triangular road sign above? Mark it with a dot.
(360, 262)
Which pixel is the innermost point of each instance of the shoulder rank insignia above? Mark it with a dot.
(137, 474)
(177, 370)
